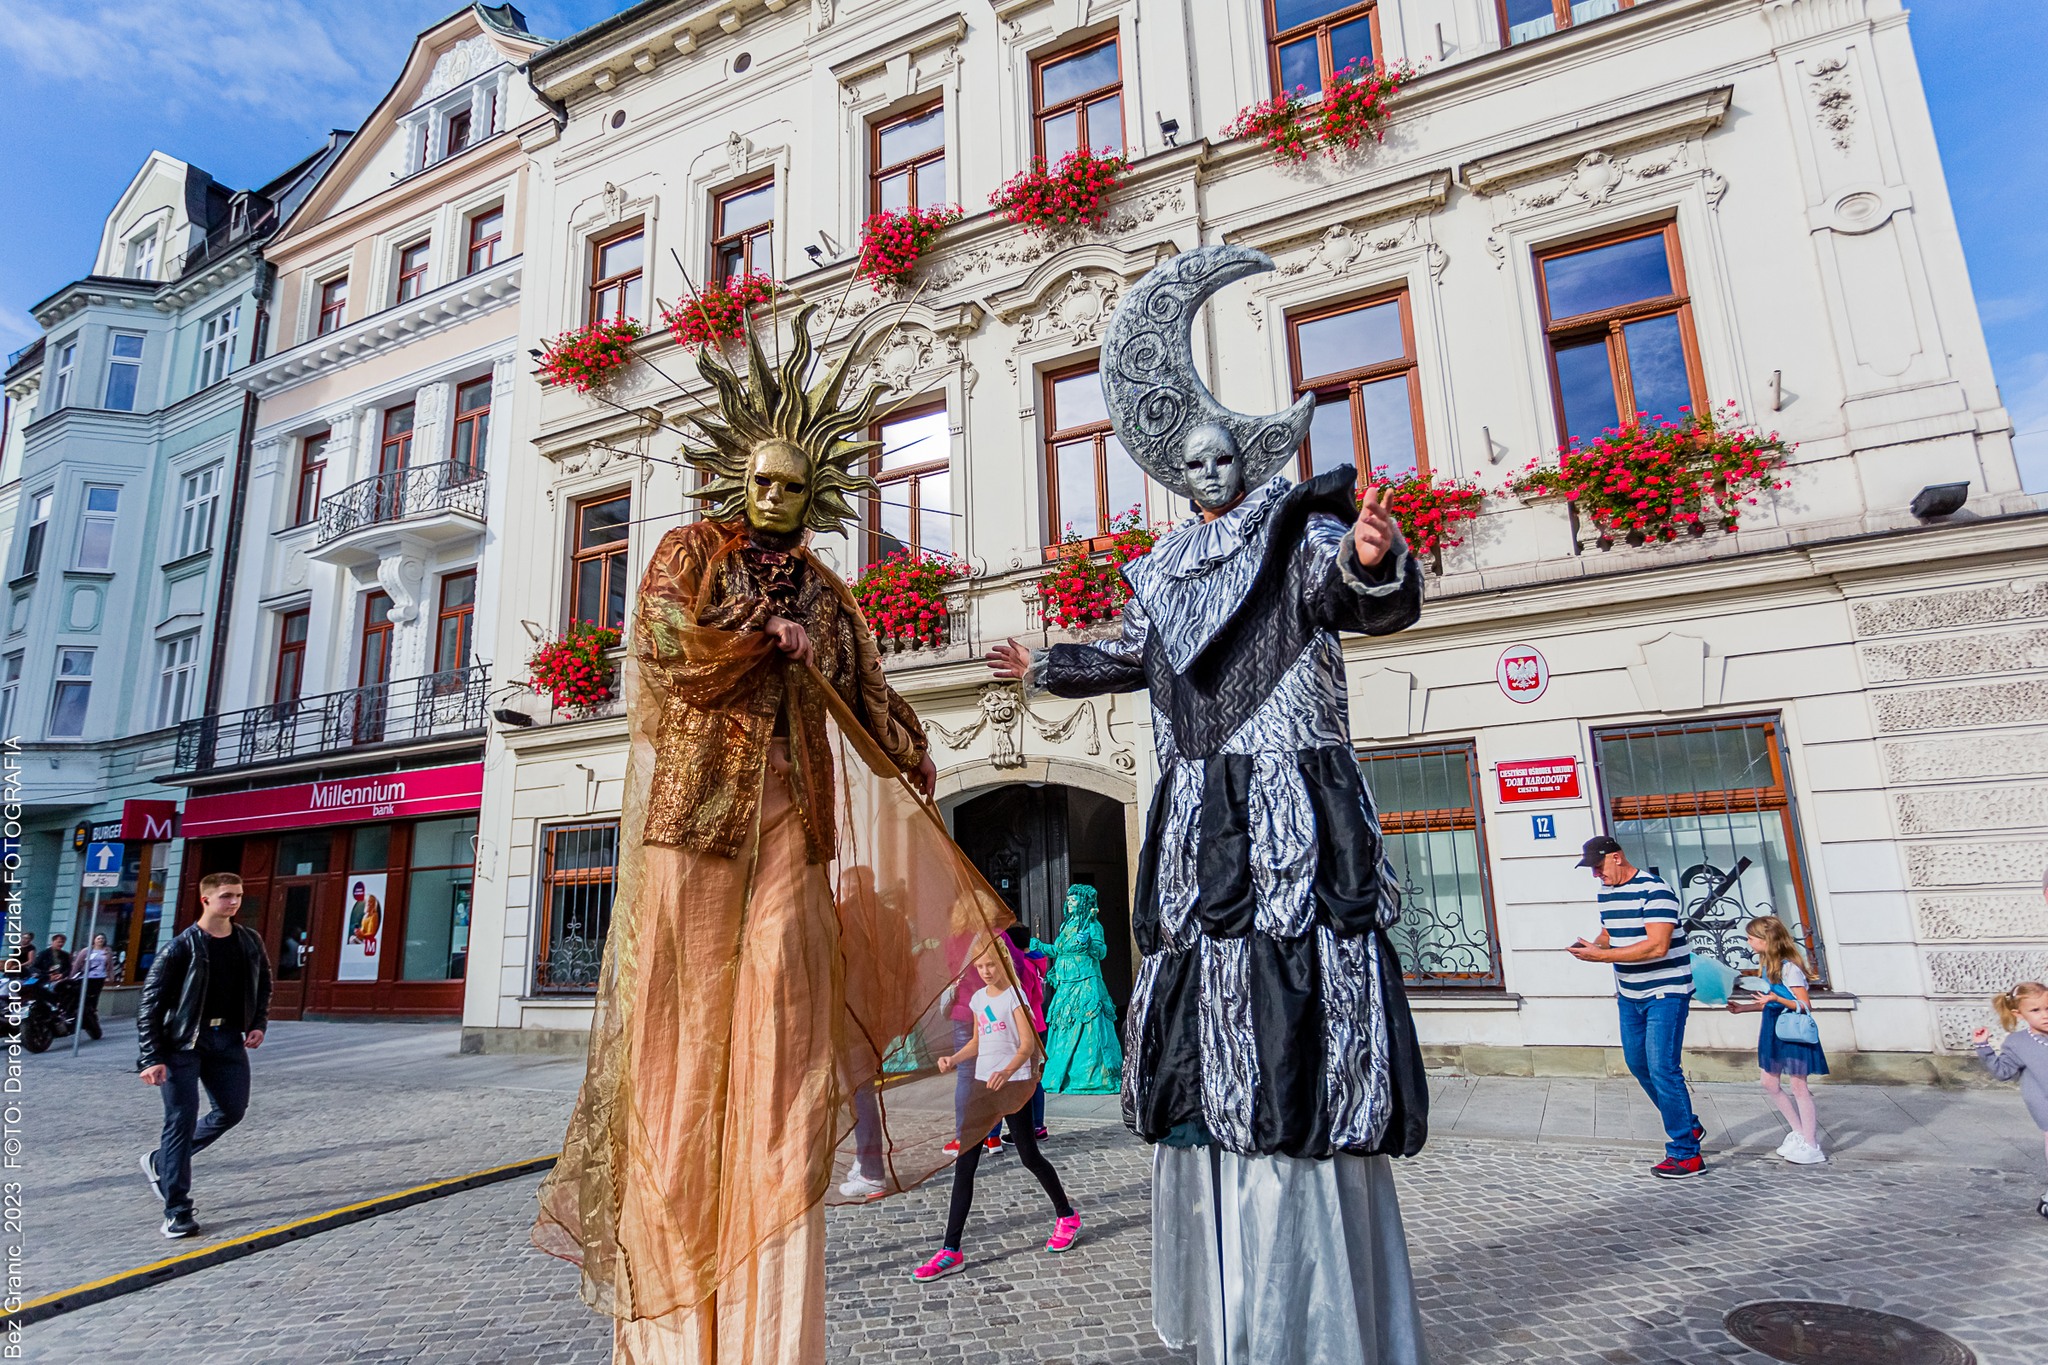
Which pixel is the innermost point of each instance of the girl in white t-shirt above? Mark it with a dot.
(1003, 1048)
(1784, 1064)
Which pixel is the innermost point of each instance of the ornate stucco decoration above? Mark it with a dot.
(465, 61)
(1077, 312)
(1834, 102)
(1001, 711)
(1017, 248)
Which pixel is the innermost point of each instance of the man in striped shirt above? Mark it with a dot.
(1643, 934)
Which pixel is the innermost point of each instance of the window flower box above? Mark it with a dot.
(574, 668)
(907, 600)
(1072, 195)
(892, 243)
(1085, 586)
(1429, 509)
(1351, 108)
(589, 357)
(719, 314)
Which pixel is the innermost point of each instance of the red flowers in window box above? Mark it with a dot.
(904, 597)
(719, 313)
(1428, 507)
(1657, 480)
(1068, 196)
(891, 242)
(1353, 107)
(589, 357)
(572, 668)
(1085, 585)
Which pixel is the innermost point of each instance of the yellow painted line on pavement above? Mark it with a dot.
(219, 1253)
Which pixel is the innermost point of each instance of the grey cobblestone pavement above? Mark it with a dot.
(1527, 1246)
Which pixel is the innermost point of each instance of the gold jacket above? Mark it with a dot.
(700, 643)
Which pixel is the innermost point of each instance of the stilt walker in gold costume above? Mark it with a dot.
(787, 899)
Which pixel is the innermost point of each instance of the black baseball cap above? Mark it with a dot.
(1596, 850)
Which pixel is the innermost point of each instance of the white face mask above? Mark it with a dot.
(1214, 470)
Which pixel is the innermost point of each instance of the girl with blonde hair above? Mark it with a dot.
(1784, 1063)
(2023, 1055)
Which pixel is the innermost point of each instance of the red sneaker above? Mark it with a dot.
(951, 1148)
(1673, 1168)
(993, 1143)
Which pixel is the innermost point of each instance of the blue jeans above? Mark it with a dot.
(220, 1064)
(1653, 1045)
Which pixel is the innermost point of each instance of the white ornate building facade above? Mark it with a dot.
(1836, 714)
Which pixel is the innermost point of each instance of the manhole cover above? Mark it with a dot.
(1836, 1334)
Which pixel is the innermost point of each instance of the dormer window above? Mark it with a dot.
(452, 121)
(458, 132)
(142, 256)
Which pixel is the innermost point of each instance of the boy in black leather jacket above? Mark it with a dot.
(207, 1001)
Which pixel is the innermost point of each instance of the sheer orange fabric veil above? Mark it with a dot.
(909, 909)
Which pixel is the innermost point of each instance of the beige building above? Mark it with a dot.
(1834, 714)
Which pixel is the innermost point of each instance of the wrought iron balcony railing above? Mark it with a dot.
(415, 491)
(437, 706)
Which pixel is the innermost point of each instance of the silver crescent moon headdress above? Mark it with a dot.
(1155, 397)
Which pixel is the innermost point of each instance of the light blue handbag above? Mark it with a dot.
(1795, 1025)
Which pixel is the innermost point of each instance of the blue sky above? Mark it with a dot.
(243, 88)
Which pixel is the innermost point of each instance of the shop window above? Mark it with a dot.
(412, 270)
(289, 677)
(1428, 802)
(1090, 479)
(472, 425)
(452, 633)
(1077, 100)
(1619, 325)
(579, 872)
(96, 525)
(597, 560)
(333, 306)
(743, 232)
(1359, 362)
(124, 371)
(312, 471)
(1312, 40)
(1707, 808)
(1521, 20)
(72, 696)
(914, 504)
(618, 265)
(486, 230)
(437, 901)
(198, 504)
(177, 670)
(908, 156)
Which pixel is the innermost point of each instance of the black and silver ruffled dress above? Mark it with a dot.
(1269, 1050)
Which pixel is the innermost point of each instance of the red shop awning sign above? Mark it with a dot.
(348, 800)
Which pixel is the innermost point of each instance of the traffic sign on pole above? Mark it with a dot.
(102, 866)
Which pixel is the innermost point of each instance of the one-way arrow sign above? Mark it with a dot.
(102, 866)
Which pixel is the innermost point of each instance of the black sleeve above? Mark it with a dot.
(255, 945)
(1085, 671)
(159, 991)
(1337, 604)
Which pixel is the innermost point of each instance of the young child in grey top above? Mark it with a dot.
(2023, 1056)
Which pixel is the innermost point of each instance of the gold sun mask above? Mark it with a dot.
(783, 457)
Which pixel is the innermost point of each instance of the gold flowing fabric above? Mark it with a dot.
(748, 1010)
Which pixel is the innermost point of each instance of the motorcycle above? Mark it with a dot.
(46, 1011)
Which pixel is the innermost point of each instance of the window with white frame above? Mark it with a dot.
(96, 522)
(198, 502)
(72, 695)
(124, 371)
(67, 370)
(10, 692)
(217, 345)
(38, 528)
(177, 674)
(142, 253)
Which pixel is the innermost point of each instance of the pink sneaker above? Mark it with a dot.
(946, 1262)
(1064, 1232)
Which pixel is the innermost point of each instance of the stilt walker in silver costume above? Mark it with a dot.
(1268, 1052)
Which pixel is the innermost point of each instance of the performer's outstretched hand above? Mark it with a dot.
(1009, 660)
(791, 638)
(927, 776)
(1374, 534)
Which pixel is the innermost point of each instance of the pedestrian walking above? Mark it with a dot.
(53, 964)
(1643, 935)
(1004, 1051)
(2023, 1054)
(205, 1002)
(1788, 1045)
(93, 964)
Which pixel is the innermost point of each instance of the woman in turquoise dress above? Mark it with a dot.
(1083, 1054)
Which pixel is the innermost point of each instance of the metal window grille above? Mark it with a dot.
(579, 876)
(1428, 801)
(1707, 808)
